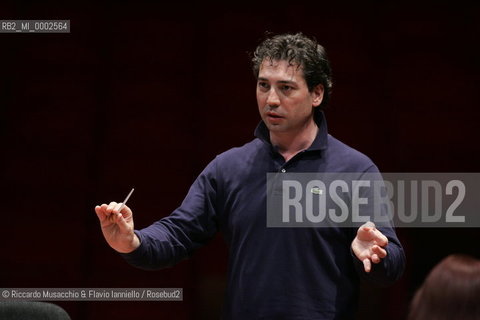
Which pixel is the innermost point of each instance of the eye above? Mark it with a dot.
(287, 88)
(263, 85)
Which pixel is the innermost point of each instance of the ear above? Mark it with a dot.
(317, 95)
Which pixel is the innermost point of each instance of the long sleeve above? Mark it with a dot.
(174, 238)
(392, 266)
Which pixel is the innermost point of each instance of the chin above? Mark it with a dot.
(276, 127)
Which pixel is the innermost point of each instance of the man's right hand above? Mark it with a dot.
(117, 227)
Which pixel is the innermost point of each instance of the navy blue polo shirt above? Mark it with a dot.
(274, 273)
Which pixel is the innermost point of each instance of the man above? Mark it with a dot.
(274, 273)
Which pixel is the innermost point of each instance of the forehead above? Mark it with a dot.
(282, 69)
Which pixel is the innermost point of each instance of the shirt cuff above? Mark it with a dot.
(136, 255)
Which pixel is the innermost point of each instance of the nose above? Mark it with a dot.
(273, 100)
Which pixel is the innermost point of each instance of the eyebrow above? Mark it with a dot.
(281, 81)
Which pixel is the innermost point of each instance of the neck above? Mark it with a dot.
(291, 143)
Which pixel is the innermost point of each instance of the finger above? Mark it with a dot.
(126, 211)
(363, 233)
(369, 224)
(375, 258)
(121, 222)
(366, 227)
(111, 206)
(367, 265)
(117, 207)
(106, 213)
(103, 207)
(100, 213)
(380, 238)
(98, 209)
(382, 253)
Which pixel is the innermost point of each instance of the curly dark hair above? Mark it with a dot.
(302, 51)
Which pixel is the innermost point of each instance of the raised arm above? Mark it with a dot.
(170, 239)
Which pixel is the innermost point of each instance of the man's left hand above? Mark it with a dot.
(369, 245)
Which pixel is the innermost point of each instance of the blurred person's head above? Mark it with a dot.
(450, 291)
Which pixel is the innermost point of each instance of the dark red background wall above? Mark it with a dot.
(145, 95)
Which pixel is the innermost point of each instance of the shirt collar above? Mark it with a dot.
(320, 142)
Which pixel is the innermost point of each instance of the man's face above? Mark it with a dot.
(284, 102)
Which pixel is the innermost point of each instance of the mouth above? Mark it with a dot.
(273, 115)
